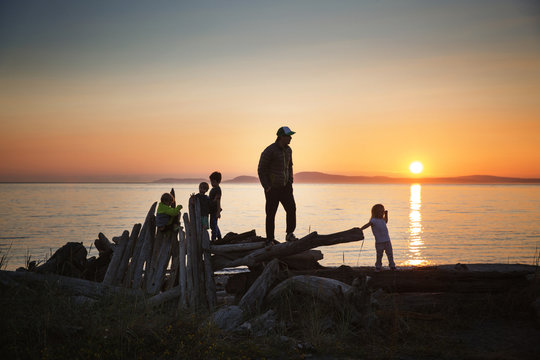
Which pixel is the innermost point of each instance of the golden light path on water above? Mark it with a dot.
(416, 244)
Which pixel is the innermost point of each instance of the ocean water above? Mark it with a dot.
(428, 224)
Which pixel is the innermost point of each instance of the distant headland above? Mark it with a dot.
(312, 177)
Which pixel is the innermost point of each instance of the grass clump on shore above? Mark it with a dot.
(43, 323)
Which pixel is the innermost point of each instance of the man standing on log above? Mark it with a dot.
(276, 176)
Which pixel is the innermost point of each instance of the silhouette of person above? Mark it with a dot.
(276, 177)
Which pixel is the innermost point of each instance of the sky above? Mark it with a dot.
(140, 90)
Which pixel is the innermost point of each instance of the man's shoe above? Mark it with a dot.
(268, 244)
(290, 237)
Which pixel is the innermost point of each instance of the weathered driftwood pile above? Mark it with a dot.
(173, 263)
(179, 264)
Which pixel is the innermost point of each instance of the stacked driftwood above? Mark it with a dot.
(178, 265)
(158, 261)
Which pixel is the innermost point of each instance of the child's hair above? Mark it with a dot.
(377, 211)
(167, 198)
(216, 176)
(203, 186)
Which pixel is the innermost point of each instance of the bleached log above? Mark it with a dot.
(70, 285)
(162, 260)
(165, 296)
(254, 297)
(310, 241)
(303, 261)
(324, 289)
(126, 256)
(211, 296)
(200, 254)
(175, 262)
(194, 257)
(182, 271)
(110, 275)
(136, 264)
(146, 253)
(151, 269)
(228, 248)
(189, 270)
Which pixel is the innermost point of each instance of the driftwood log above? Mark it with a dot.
(254, 297)
(69, 285)
(484, 279)
(208, 272)
(160, 259)
(112, 270)
(143, 248)
(182, 275)
(69, 260)
(122, 272)
(282, 250)
(103, 244)
(324, 289)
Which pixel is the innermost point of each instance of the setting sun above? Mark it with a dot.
(416, 167)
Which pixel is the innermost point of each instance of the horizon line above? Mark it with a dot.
(310, 177)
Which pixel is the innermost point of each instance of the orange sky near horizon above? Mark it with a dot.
(182, 92)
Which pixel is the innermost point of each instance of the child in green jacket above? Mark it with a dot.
(165, 213)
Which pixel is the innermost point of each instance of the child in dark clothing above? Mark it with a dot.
(165, 213)
(215, 205)
(204, 203)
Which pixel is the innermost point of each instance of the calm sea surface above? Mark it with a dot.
(428, 224)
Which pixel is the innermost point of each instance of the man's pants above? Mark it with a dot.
(283, 195)
(381, 248)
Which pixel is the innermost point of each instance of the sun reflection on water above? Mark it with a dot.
(416, 244)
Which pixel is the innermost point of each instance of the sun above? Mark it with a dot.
(416, 167)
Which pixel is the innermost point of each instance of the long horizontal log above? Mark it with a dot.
(221, 249)
(70, 285)
(434, 279)
(308, 242)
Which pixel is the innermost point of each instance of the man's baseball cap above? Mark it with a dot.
(284, 130)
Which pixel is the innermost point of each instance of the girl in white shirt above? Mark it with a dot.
(379, 218)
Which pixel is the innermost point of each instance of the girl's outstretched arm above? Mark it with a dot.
(366, 226)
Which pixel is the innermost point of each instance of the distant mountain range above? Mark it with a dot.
(312, 177)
